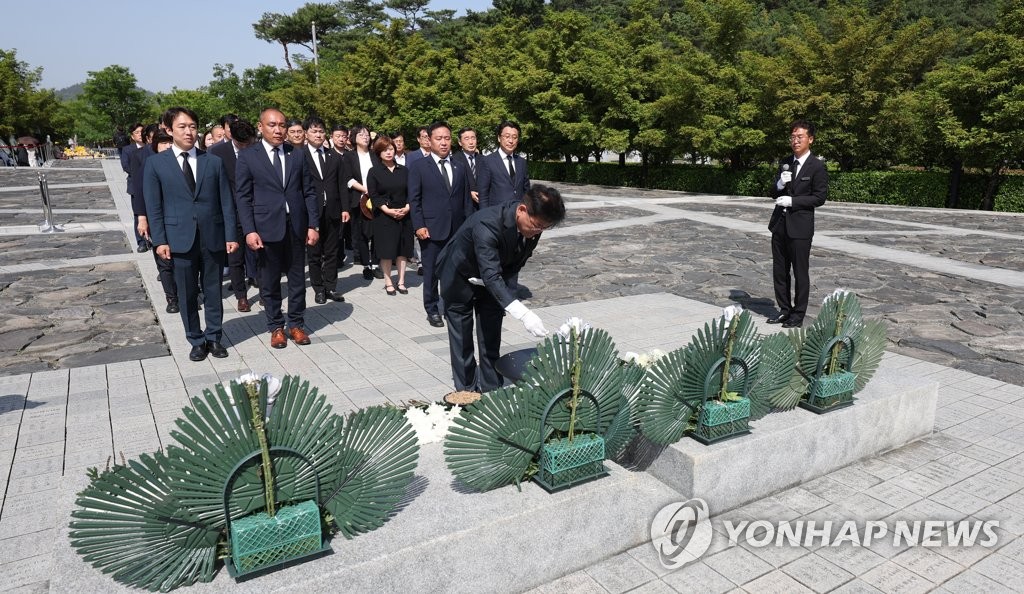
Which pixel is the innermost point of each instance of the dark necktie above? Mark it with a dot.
(444, 174)
(323, 164)
(511, 169)
(472, 165)
(190, 178)
(278, 165)
(796, 167)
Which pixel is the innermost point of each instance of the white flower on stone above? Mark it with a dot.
(733, 310)
(837, 294)
(573, 323)
(273, 386)
(431, 424)
(645, 360)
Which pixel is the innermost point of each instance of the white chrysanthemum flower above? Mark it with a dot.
(432, 423)
(837, 294)
(733, 310)
(656, 354)
(631, 357)
(573, 323)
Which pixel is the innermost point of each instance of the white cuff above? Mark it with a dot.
(517, 310)
(475, 281)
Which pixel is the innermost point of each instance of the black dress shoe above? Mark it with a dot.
(320, 297)
(793, 323)
(778, 319)
(250, 281)
(435, 320)
(367, 273)
(216, 349)
(335, 296)
(172, 307)
(198, 352)
(378, 273)
(142, 249)
(419, 271)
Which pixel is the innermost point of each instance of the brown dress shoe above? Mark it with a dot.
(277, 338)
(299, 335)
(243, 305)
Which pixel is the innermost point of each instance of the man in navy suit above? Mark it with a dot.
(277, 203)
(192, 221)
(439, 201)
(470, 158)
(423, 138)
(242, 136)
(800, 187)
(504, 177)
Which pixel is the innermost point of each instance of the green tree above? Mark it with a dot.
(114, 93)
(247, 93)
(208, 107)
(297, 28)
(24, 109)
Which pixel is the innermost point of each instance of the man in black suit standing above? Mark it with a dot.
(477, 267)
(800, 187)
(192, 221)
(439, 200)
(135, 132)
(242, 136)
(504, 177)
(423, 139)
(470, 158)
(325, 165)
(278, 206)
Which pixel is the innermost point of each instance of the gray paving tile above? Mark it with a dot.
(699, 578)
(894, 579)
(1002, 569)
(620, 573)
(574, 583)
(928, 564)
(972, 582)
(776, 582)
(647, 556)
(856, 587)
(738, 565)
(817, 573)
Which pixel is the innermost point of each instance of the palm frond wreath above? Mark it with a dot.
(569, 412)
(253, 464)
(726, 376)
(837, 354)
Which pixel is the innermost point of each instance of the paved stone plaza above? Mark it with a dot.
(93, 371)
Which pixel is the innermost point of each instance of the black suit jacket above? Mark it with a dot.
(331, 192)
(350, 170)
(136, 165)
(488, 247)
(809, 190)
(474, 172)
(431, 204)
(226, 152)
(261, 195)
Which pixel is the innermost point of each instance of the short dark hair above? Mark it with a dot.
(545, 203)
(227, 119)
(423, 129)
(381, 144)
(507, 124)
(293, 122)
(464, 130)
(313, 121)
(339, 128)
(158, 137)
(150, 130)
(436, 125)
(172, 114)
(806, 125)
(242, 132)
(134, 127)
(397, 134)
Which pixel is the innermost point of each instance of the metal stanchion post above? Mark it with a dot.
(47, 226)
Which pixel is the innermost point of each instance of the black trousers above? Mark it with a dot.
(287, 256)
(461, 301)
(236, 267)
(323, 257)
(165, 269)
(429, 250)
(362, 235)
(790, 255)
(190, 268)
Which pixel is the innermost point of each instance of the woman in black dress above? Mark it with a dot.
(388, 183)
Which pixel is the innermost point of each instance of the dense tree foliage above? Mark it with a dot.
(25, 109)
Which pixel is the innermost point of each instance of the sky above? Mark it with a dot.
(69, 38)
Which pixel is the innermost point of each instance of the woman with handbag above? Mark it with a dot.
(357, 163)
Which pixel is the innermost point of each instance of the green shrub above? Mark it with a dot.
(902, 188)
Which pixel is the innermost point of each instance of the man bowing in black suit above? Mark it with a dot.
(192, 221)
(439, 201)
(477, 267)
(277, 203)
(800, 187)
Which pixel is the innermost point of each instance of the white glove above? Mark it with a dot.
(784, 201)
(785, 177)
(530, 320)
(475, 281)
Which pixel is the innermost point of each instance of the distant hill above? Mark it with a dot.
(72, 92)
(69, 93)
